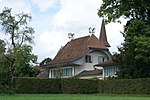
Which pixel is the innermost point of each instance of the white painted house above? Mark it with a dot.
(78, 57)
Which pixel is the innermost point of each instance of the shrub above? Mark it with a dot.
(79, 86)
(73, 85)
(37, 85)
(125, 86)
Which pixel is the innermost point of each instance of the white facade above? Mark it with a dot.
(90, 66)
(83, 65)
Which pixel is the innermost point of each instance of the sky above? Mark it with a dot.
(52, 20)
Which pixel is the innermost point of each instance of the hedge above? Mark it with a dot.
(118, 86)
(37, 85)
(125, 86)
(79, 86)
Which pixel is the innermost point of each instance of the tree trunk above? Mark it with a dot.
(11, 78)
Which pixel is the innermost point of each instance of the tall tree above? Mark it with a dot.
(3, 67)
(112, 10)
(134, 57)
(15, 26)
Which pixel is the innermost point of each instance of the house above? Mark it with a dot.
(43, 71)
(110, 69)
(78, 57)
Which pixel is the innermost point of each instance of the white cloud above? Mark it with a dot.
(74, 16)
(17, 6)
(48, 43)
(44, 4)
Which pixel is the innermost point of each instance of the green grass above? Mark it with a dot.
(73, 97)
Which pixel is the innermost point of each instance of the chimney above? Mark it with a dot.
(103, 36)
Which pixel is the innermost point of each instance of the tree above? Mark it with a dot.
(136, 48)
(134, 57)
(45, 61)
(3, 67)
(15, 26)
(112, 10)
(24, 60)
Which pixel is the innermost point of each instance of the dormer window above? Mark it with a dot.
(102, 59)
(88, 59)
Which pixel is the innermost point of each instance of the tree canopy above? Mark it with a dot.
(18, 53)
(45, 61)
(112, 10)
(134, 57)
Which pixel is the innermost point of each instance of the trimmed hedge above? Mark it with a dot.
(125, 86)
(79, 86)
(37, 85)
(118, 86)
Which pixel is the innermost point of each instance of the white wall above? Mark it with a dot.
(88, 66)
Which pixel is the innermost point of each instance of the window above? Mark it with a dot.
(53, 73)
(101, 59)
(88, 59)
(67, 72)
(106, 71)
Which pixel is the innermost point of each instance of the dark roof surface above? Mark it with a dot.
(105, 64)
(90, 73)
(103, 36)
(77, 48)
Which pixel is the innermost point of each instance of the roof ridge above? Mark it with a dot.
(81, 37)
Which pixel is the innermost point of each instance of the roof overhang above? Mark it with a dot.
(62, 64)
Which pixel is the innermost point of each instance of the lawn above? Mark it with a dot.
(73, 97)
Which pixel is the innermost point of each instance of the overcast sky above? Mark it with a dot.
(52, 20)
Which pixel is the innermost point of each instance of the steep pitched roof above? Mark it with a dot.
(103, 36)
(77, 48)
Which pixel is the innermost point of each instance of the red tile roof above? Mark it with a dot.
(77, 48)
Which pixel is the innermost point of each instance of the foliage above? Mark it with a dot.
(135, 51)
(24, 60)
(37, 85)
(125, 86)
(18, 53)
(79, 86)
(82, 86)
(3, 68)
(45, 61)
(112, 10)
(134, 57)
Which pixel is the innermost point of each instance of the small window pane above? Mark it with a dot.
(88, 59)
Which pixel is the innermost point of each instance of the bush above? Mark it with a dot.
(73, 85)
(125, 86)
(37, 85)
(79, 86)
